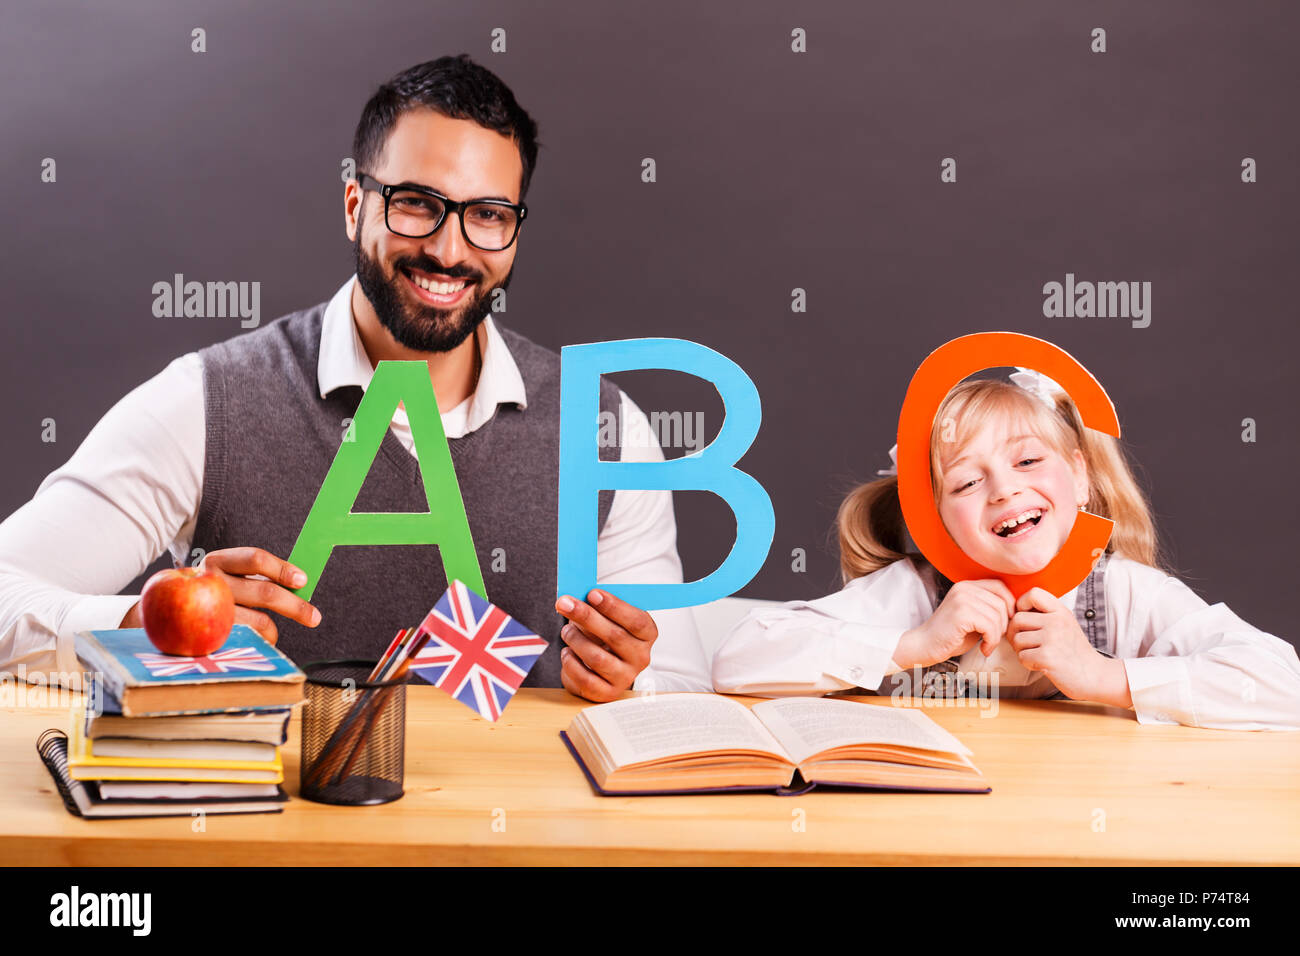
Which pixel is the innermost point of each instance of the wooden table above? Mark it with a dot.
(1072, 784)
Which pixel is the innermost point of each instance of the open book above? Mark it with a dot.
(686, 743)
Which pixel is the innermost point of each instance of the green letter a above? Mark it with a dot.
(331, 521)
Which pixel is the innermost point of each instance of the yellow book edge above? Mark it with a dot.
(80, 760)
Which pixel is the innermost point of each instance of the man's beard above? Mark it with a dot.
(426, 328)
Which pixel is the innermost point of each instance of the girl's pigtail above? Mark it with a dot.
(1115, 493)
(871, 529)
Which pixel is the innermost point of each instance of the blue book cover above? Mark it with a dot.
(244, 672)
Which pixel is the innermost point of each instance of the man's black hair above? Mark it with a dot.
(456, 87)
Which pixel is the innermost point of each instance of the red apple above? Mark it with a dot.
(187, 611)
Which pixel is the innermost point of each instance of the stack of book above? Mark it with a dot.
(161, 735)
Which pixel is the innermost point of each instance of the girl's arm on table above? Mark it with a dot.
(1192, 663)
(837, 642)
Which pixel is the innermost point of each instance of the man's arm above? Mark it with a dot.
(128, 493)
(638, 544)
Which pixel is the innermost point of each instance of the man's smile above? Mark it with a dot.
(436, 289)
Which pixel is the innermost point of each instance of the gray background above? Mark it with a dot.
(775, 170)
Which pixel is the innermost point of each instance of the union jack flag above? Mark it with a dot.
(476, 652)
(218, 662)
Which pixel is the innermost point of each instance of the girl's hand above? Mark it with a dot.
(973, 612)
(1047, 638)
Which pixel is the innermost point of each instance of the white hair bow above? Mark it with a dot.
(1038, 385)
(1035, 383)
(893, 469)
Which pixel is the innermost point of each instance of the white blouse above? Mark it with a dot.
(1187, 662)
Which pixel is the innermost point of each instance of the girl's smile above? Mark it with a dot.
(1017, 526)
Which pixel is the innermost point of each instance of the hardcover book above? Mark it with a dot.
(245, 672)
(83, 764)
(696, 743)
(268, 725)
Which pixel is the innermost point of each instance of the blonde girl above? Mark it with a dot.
(1011, 466)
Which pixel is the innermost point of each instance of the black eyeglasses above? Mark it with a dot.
(415, 212)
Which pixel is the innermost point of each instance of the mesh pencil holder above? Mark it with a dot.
(353, 735)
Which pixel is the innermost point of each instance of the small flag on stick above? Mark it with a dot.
(476, 652)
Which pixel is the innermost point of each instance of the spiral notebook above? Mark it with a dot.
(82, 798)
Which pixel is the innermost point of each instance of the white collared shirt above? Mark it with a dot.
(1187, 662)
(132, 491)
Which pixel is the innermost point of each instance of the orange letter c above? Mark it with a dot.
(944, 368)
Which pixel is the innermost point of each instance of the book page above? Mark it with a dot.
(665, 725)
(808, 726)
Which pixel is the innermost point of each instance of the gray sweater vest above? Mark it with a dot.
(271, 439)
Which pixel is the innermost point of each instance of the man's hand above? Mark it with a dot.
(274, 594)
(1047, 638)
(608, 645)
